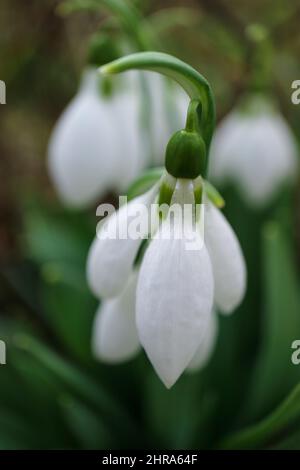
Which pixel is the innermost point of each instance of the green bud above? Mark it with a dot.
(185, 155)
(102, 50)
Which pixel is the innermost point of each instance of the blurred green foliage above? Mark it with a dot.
(53, 394)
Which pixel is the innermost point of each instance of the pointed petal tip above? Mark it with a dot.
(229, 306)
(167, 378)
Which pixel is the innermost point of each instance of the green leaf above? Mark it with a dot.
(56, 236)
(265, 432)
(59, 243)
(144, 182)
(70, 310)
(290, 442)
(275, 375)
(88, 427)
(179, 417)
(15, 433)
(82, 386)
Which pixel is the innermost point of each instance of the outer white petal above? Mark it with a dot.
(206, 346)
(110, 260)
(227, 260)
(115, 337)
(174, 301)
(83, 149)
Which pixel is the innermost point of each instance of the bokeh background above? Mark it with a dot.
(53, 394)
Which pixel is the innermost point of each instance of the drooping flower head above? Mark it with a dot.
(98, 143)
(160, 265)
(95, 141)
(254, 148)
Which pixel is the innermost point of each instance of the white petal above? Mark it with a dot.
(227, 259)
(206, 346)
(110, 260)
(83, 149)
(115, 337)
(174, 301)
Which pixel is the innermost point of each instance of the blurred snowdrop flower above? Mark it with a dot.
(96, 143)
(254, 148)
(176, 286)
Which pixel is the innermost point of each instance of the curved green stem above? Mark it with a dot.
(196, 86)
(167, 18)
(131, 20)
(129, 17)
(261, 57)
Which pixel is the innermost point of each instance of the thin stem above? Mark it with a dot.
(167, 18)
(129, 17)
(193, 117)
(260, 75)
(131, 20)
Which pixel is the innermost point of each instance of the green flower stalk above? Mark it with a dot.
(196, 86)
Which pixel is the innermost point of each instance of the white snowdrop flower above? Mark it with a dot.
(115, 337)
(176, 286)
(254, 148)
(96, 145)
(187, 261)
(206, 347)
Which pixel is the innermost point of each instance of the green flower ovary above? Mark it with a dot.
(186, 155)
